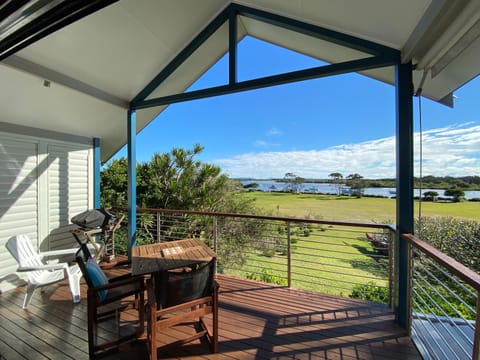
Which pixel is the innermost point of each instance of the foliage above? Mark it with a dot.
(253, 185)
(432, 182)
(114, 183)
(463, 182)
(457, 238)
(293, 182)
(457, 194)
(237, 237)
(435, 292)
(337, 179)
(268, 277)
(356, 183)
(430, 195)
(370, 292)
(176, 180)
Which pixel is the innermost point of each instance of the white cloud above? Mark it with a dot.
(449, 151)
(264, 144)
(274, 132)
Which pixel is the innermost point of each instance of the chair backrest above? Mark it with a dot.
(92, 273)
(22, 250)
(188, 284)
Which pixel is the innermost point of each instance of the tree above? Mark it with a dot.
(355, 181)
(457, 194)
(114, 183)
(251, 186)
(176, 180)
(293, 182)
(337, 180)
(430, 196)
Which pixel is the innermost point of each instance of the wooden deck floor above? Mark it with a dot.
(257, 321)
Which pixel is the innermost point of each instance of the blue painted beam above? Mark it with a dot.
(368, 47)
(300, 75)
(232, 47)
(404, 203)
(182, 56)
(96, 173)
(132, 179)
(349, 41)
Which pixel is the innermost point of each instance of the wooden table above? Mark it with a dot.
(149, 259)
(157, 259)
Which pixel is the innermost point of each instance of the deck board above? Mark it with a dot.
(257, 321)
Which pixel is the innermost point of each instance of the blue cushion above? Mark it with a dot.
(97, 276)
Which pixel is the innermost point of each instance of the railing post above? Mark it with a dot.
(159, 224)
(215, 240)
(404, 202)
(289, 256)
(410, 268)
(391, 270)
(476, 339)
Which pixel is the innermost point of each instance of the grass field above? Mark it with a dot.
(332, 260)
(347, 208)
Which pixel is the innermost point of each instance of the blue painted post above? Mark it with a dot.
(132, 179)
(96, 173)
(404, 210)
(232, 48)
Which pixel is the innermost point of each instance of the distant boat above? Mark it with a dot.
(392, 192)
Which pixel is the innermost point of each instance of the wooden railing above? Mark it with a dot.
(444, 309)
(333, 257)
(273, 249)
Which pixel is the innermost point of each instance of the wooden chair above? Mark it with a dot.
(40, 274)
(182, 297)
(106, 299)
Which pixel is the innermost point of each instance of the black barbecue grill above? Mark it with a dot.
(98, 227)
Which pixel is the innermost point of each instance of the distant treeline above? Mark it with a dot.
(432, 182)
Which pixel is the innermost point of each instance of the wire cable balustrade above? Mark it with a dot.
(325, 256)
(337, 258)
(444, 304)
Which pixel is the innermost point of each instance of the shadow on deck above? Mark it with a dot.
(257, 321)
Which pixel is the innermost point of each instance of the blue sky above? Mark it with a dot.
(312, 128)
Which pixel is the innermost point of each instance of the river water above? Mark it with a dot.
(325, 188)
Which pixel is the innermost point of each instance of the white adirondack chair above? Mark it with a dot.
(41, 274)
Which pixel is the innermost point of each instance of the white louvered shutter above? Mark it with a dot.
(18, 194)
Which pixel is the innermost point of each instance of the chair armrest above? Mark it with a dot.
(122, 277)
(44, 267)
(58, 252)
(114, 283)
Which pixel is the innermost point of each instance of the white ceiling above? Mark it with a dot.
(99, 63)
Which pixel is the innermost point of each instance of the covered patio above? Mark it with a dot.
(79, 80)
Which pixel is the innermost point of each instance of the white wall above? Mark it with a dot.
(43, 183)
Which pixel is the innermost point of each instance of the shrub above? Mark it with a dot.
(455, 237)
(370, 292)
(268, 277)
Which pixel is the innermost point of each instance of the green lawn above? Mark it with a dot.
(330, 260)
(346, 208)
(333, 259)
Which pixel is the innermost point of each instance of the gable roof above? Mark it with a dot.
(82, 78)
